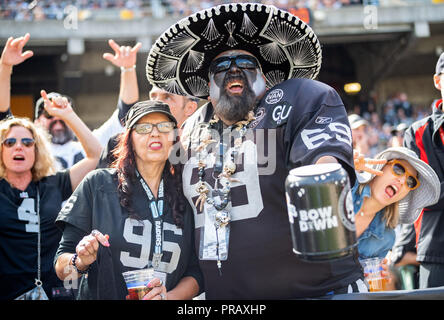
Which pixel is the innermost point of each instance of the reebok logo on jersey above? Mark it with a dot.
(323, 120)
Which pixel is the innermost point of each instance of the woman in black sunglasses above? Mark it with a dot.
(31, 195)
(392, 190)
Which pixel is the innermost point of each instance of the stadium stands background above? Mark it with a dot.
(388, 46)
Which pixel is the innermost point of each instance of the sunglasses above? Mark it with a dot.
(10, 142)
(398, 169)
(242, 61)
(163, 127)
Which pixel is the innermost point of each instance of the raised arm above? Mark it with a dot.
(60, 107)
(125, 58)
(12, 55)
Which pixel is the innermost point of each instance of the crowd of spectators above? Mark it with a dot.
(34, 10)
(184, 7)
(383, 127)
(386, 128)
(56, 10)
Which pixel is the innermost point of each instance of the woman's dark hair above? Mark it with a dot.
(125, 165)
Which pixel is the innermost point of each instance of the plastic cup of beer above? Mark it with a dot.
(373, 274)
(137, 283)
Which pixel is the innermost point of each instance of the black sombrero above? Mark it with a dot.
(284, 45)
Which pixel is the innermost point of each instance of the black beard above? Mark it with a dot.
(60, 136)
(235, 108)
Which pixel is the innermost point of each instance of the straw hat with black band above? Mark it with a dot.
(284, 45)
(425, 195)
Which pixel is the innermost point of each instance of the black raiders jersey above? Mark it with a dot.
(297, 122)
(95, 204)
(19, 230)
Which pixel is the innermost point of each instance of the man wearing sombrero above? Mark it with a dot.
(266, 116)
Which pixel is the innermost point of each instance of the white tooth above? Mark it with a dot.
(396, 189)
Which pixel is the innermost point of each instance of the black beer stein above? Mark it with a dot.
(320, 211)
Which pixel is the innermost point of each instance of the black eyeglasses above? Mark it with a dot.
(145, 128)
(10, 142)
(242, 61)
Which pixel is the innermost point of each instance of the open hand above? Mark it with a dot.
(12, 53)
(124, 56)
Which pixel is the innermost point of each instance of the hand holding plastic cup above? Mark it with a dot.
(137, 283)
(374, 274)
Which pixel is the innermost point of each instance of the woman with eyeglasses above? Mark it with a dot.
(393, 189)
(132, 216)
(31, 196)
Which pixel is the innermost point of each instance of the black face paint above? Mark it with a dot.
(234, 108)
(230, 106)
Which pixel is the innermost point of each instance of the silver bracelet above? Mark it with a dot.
(123, 69)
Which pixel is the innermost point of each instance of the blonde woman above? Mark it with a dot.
(31, 195)
(393, 189)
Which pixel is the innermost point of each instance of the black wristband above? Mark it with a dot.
(74, 258)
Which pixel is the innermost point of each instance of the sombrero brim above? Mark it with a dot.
(283, 44)
(425, 195)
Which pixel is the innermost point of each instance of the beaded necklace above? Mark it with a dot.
(223, 170)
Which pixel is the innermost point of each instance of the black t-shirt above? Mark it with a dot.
(310, 121)
(19, 231)
(95, 205)
(6, 114)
